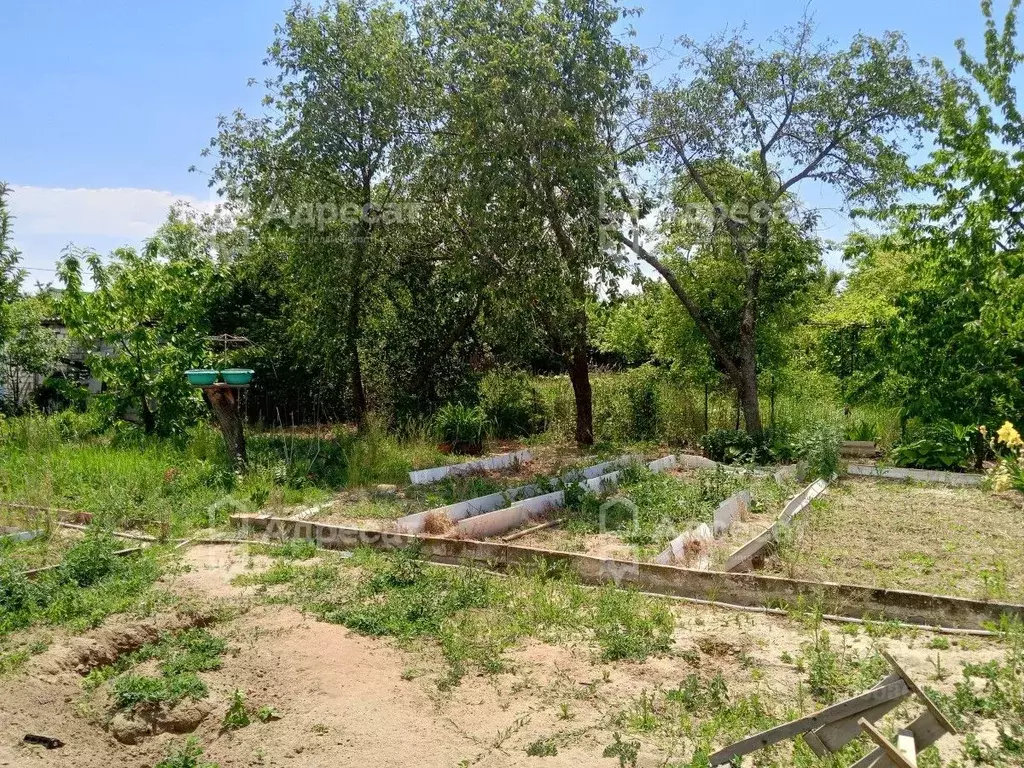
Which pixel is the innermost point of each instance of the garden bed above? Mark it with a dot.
(965, 542)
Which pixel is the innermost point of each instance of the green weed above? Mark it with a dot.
(187, 755)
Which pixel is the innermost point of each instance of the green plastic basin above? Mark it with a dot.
(237, 376)
(201, 378)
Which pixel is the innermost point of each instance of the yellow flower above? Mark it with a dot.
(1009, 436)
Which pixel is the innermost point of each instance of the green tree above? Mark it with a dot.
(145, 320)
(328, 161)
(952, 346)
(31, 349)
(744, 126)
(10, 276)
(535, 94)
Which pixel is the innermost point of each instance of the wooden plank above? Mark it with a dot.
(840, 711)
(897, 757)
(905, 744)
(834, 737)
(921, 695)
(926, 729)
(920, 475)
(533, 529)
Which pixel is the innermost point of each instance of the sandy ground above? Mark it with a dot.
(348, 700)
(955, 541)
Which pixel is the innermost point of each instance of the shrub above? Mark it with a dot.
(641, 391)
(512, 403)
(818, 450)
(727, 445)
(942, 445)
(862, 431)
(461, 427)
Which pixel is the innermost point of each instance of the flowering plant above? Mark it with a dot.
(1009, 472)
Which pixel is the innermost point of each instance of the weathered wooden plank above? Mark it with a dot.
(840, 711)
(905, 744)
(940, 718)
(888, 748)
(834, 737)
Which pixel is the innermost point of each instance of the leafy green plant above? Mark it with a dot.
(461, 428)
(942, 446)
(862, 431)
(727, 446)
(238, 715)
(512, 404)
(542, 748)
(628, 752)
(641, 390)
(818, 450)
(187, 755)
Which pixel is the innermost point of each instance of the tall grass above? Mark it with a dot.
(805, 401)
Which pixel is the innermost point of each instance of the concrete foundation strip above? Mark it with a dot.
(693, 547)
(478, 506)
(424, 476)
(921, 475)
(740, 589)
(501, 520)
(744, 558)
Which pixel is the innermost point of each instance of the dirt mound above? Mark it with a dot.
(134, 727)
(106, 645)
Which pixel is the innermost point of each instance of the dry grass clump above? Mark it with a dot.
(437, 524)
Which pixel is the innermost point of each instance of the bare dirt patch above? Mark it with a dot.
(345, 699)
(956, 541)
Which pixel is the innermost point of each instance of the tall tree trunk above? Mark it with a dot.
(579, 376)
(224, 401)
(148, 418)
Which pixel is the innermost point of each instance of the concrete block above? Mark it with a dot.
(502, 520)
(921, 475)
(425, 476)
(689, 461)
(692, 549)
(731, 510)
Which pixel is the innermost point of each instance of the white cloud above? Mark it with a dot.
(76, 214)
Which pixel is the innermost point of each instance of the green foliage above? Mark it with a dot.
(728, 446)
(132, 690)
(942, 446)
(542, 748)
(462, 428)
(627, 752)
(89, 585)
(624, 633)
(30, 349)
(145, 320)
(187, 755)
(641, 387)
(238, 715)
(818, 450)
(512, 404)
(10, 276)
(861, 431)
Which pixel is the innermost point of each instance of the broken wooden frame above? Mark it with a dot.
(738, 589)
(829, 730)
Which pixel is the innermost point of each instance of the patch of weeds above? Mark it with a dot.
(277, 574)
(266, 714)
(238, 715)
(292, 549)
(627, 752)
(631, 626)
(472, 616)
(939, 643)
(832, 674)
(90, 584)
(694, 695)
(187, 755)
(181, 657)
(542, 748)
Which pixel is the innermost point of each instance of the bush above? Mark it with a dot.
(512, 403)
(728, 446)
(818, 450)
(942, 445)
(641, 392)
(461, 428)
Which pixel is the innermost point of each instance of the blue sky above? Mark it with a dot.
(107, 103)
